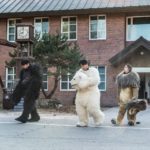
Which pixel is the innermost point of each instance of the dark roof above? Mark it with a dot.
(32, 6)
(141, 42)
(7, 43)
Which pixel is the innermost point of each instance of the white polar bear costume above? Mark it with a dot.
(88, 96)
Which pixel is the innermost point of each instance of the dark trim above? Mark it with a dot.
(7, 43)
(129, 50)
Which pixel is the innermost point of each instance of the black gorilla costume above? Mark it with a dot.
(28, 87)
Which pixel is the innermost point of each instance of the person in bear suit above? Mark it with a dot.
(128, 83)
(28, 88)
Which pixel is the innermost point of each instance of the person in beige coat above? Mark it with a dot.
(128, 83)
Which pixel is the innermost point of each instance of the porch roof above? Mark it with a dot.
(59, 7)
(141, 42)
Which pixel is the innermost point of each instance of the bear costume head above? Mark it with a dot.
(79, 81)
(136, 106)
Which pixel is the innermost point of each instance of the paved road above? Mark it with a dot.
(59, 133)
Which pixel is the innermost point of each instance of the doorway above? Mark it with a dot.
(142, 90)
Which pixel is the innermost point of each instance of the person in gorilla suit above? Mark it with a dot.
(28, 88)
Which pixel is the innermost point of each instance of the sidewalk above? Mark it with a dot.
(52, 116)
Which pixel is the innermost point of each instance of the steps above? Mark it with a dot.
(19, 106)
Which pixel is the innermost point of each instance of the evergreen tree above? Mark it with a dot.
(54, 51)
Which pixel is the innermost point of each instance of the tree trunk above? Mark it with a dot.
(51, 93)
(44, 93)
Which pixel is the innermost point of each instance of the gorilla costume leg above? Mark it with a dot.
(34, 115)
(28, 107)
(31, 94)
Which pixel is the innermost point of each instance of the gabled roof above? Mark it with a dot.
(32, 6)
(141, 42)
(7, 43)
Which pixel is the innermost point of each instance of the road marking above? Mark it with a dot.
(69, 125)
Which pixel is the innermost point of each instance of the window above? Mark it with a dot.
(11, 29)
(41, 26)
(69, 27)
(102, 73)
(138, 26)
(65, 83)
(10, 78)
(97, 27)
(45, 79)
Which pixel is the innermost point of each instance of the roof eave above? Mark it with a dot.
(77, 11)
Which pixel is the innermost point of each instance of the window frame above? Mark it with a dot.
(68, 89)
(104, 90)
(68, 17)
(14, 79)
(14, 19)
(46, 80)
(97, 15)
(41, 23)
(131, 17)
(6, 77)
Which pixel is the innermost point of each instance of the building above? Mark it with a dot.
(110, 33)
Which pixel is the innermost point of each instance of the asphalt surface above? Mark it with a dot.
(59, 132)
